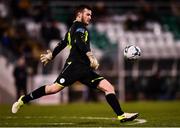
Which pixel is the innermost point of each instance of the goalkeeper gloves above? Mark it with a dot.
(45, 58)
(93, 61)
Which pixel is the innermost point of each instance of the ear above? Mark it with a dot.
(79, 14)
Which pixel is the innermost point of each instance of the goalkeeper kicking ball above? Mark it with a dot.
(132, 52)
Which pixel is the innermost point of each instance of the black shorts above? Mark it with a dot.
(74, 71)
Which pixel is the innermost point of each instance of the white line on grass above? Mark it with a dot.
(136, 121)
(88, 118)
(50, 123)
(30, 117)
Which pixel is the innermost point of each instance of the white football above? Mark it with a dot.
(132, 52)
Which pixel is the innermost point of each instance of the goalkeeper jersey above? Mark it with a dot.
(77, 39)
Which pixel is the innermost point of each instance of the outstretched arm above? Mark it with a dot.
(45, 58)
(60, 46)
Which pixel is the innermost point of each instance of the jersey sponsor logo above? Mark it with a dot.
(62, 80)
(82, 30)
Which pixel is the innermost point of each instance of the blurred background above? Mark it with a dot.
(30, 27)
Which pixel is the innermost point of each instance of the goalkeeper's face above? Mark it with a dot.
(86, 16)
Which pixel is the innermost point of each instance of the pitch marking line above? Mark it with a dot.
(136, 121)
(41, 123)
(30, 117)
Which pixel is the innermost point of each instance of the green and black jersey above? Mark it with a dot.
(77, 66)
(77, 39)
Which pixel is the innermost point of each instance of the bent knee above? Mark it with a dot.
(110, 90)
(106, 87)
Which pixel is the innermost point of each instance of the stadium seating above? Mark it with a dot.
(160, 45)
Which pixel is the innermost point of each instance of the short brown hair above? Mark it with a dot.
(80, 8)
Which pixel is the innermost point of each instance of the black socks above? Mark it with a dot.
(34, 95)
(114, 103)
(111, 99)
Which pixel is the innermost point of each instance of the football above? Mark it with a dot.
(132, 52)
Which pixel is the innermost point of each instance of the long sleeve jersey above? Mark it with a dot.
(77, 39)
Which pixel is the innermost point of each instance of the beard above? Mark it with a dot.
(85, 21)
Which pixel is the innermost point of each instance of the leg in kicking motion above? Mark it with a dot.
(109, 91)
(42, 91)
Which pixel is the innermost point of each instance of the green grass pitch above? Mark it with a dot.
(156, 114)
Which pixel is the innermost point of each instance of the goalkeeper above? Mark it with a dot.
(79, 66)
